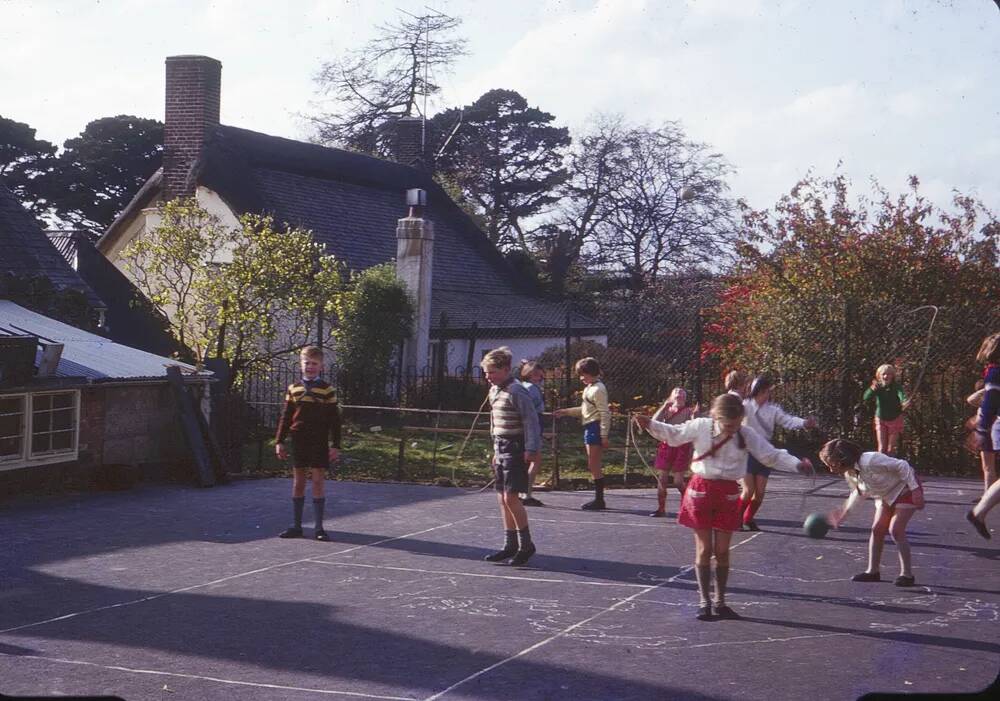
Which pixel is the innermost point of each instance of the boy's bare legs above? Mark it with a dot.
(298, 501)
(528, 499)
(319, 501)
(595, 454)
(988, 459)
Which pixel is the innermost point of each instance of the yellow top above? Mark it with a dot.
(594, 407)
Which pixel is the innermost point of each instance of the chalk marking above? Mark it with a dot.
(223, 579)
(566, 631)
(198, 677)
(544, 580)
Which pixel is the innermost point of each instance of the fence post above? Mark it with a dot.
(698, 370)
(568, 368)
(846, 415)
(470, 356)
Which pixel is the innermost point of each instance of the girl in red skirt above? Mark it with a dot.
(672, 461)
(711, 501)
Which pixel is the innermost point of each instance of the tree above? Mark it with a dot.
(621, 209)
(239, 293)
(666, 208)
(374, 316)
(98, 172)
(39, 294)
(506, 157)
(24, 161)
(384, 80)
(820, 271)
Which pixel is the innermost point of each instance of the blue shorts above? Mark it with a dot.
(592, 433)
(756, 467)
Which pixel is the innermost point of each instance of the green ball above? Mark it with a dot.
(816, 525)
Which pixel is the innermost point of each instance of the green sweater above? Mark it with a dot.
(888, 400)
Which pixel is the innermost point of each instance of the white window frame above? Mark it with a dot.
(49, 457)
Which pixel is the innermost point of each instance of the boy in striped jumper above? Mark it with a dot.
(516, 442)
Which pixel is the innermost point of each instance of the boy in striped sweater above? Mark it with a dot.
(516, 441)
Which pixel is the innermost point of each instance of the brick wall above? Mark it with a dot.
(193, 94)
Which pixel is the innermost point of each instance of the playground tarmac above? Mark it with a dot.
(173, 592)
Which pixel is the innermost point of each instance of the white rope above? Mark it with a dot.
(461, 451)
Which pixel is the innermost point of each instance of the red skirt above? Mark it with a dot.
(711, 504)
(674, 458)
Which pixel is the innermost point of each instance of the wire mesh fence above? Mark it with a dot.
(426, 425)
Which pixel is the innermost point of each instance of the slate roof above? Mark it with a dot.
(351, 202)
(87, 355)
(26, 250)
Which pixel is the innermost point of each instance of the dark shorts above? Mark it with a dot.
(310, 452)
(711, 504)
(509, 469)
(756, 467)
(592, 433)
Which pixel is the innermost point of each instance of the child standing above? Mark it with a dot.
(672, 461)
(763, 414)
(890, 403)
(516, 440)
(897, 493)
(710, 505)
(312, 418)
(595, 415)
(987, 433)
(532, 375)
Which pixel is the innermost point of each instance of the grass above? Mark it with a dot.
(374, 455)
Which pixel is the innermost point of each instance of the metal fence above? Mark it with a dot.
(652, 346)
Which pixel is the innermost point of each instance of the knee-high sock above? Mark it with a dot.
(524, 538)
(599, 489)
(297, 505)
(318, 505)
(721, 579)
(704, 575)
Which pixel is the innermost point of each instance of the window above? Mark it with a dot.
(38, 428)
(12, 425)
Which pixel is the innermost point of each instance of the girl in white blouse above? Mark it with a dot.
(710, 505)
(897, 493)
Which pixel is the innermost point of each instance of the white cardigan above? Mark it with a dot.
(730, 461)
(763, 418)
(881, 477)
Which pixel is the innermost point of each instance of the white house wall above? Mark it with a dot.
(458, 349)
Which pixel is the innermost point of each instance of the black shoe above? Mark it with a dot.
(501, 555)
(867, 577)
(293, 532)
(752, 525)
(704, 613)
(531, 501)
(724, 612)
(523, 556)
(978, 524)
(595, 505)
(659, 513)
(321, 535)
(905, 580)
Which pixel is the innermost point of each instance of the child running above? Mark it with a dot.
(890, 403)
(516, 440)
(595, 415)
(987, 433)
(532, 374)
(763, 414)
(711, 501)
(672, 461)
(897, 493)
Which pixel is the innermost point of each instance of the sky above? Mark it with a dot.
(879, 89)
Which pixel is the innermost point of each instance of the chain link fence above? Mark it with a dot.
(430, 424)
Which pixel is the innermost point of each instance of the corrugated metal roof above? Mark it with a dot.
(86, 354)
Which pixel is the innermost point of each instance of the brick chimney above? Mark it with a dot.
(194, 88)
(407, 141)
(414, 268)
